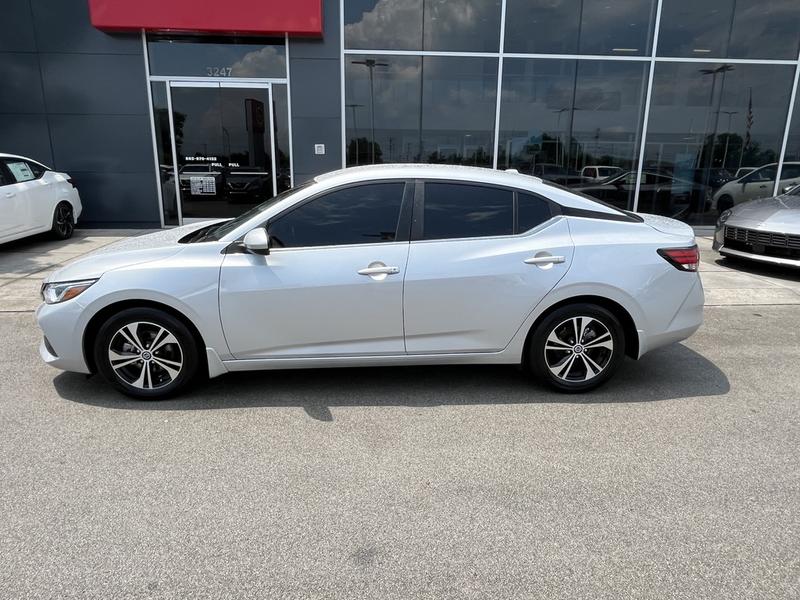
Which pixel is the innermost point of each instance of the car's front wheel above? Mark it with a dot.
(146, 353)
(577, 347)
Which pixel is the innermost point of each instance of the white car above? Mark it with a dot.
(759, 183)
(381, 265)
(599, 172)
(35, 199)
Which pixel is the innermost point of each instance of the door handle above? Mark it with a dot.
(544, 260)
(10, 194)
(384, 270)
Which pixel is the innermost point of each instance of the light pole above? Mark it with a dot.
(353, 107)
(730, 114)
(371, 63)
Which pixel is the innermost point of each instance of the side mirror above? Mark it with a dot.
(257, 241)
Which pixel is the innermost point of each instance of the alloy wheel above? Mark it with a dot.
(64, 220)
(145, 355)
(578, 349)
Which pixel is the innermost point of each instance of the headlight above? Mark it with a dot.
(724, 217)
(53, 293)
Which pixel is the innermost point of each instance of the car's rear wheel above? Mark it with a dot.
(577, 347)
(724, 203)
(63, 221)
(146, 353)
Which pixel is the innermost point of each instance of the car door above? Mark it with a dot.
(790, 177)
(14, 205)
(758, 184)
(472, 278)
(332, 284)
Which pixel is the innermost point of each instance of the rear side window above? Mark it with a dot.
(532, 211)
(20, 170)
(364, 214)
(37, 170)
(455, 210)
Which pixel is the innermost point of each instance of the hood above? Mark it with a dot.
(667, 225)
(781, 213)
(124, 253)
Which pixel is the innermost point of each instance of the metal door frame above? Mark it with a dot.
(218, 84)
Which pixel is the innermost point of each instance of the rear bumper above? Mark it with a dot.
(687, 320)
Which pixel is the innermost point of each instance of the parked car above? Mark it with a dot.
(208, 180)
(598, 173)
(558, 174)
(658, 193)
(35, 199)
(381, 265)
(766, 230)
(759, 183)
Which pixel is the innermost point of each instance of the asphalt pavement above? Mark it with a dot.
(678, 479)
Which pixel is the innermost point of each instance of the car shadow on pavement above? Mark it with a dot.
(669, 373)
(755, 268)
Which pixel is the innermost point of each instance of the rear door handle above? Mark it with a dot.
(543, 260)
(379, 271)
(10, 194)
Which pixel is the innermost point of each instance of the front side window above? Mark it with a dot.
(364, 214)
(20, 170)
(455, 210)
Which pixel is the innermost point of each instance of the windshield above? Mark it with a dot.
(219, 230)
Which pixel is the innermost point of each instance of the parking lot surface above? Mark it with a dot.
(678, 479)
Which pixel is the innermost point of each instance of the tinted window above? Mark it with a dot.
(37, 170)
(460, 211)
(216, 57)
(531, 211)
(790, 171)
(20, 170)
(4, 179)
(365, 214)
(615, 27)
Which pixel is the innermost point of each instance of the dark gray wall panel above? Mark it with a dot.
(123, 199)
(328, 46)
(21, 90)
(64, 26)
(26, 135)
(310, 131)
(102, 143)
(16, 27)
(94, 83)
(316, 87)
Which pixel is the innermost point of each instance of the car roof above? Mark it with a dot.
(6, 155)
(510, 178)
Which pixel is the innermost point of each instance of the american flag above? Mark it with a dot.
(749, 120)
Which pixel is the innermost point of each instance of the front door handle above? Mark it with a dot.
(378, 271)
(544, 260)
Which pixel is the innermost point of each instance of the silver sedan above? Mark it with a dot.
(382, 265)
(765, 230)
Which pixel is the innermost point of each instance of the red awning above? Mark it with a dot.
(262, 17)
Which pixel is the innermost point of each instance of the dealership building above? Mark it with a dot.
(164, 111)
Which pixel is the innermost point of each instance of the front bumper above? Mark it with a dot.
(719, 246)
(64, 346)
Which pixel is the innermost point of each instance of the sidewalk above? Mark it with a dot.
(24, 263)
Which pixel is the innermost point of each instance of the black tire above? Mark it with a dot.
(161, 373)
(63, 221)
(724, 203)
(601, 327)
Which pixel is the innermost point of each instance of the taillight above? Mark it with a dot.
(683, 259)
(71, 182)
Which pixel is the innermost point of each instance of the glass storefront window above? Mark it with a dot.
(431, 109)
(280, 104)
(575, 123)
(446, 25)
(614, 27)
(730, 29)
(790, 175)
(709, 123)
(166, 165)
(211, 57)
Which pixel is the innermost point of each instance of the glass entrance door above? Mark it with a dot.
(223, 139)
